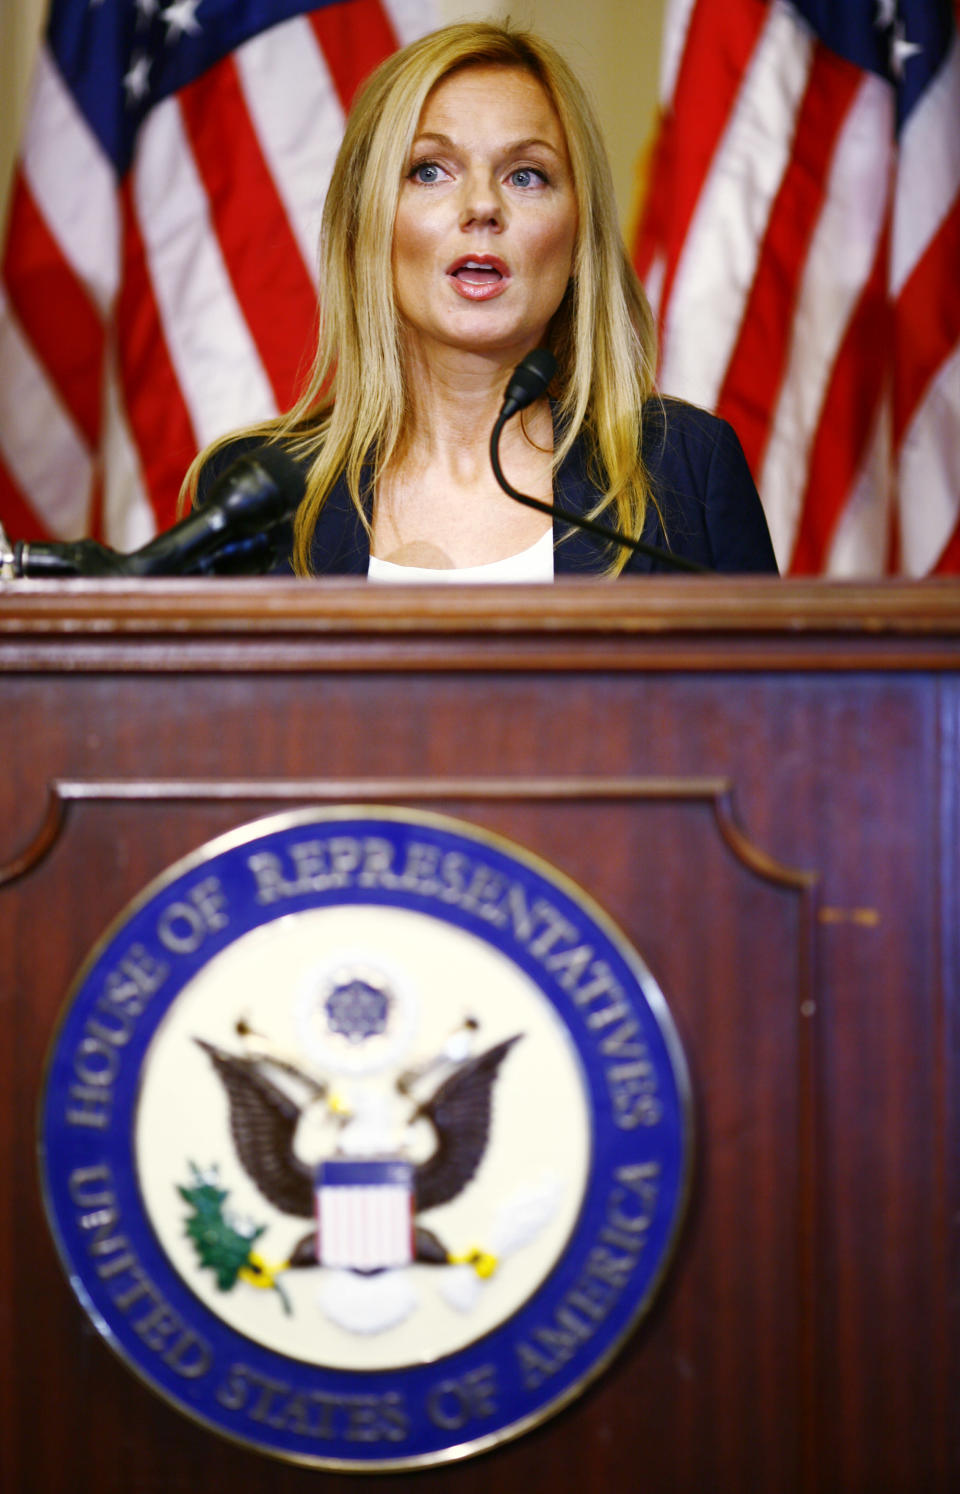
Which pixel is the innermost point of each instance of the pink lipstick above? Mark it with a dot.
(479, 277)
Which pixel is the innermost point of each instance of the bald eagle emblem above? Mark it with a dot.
(362, 1155)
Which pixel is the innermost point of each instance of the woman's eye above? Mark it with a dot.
(426, 172)
(527, 176)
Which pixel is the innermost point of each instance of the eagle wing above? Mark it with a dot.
(460, 1114)
(262, 1123)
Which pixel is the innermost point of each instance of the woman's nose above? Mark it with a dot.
(481, 206)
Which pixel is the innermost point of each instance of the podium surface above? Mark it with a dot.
(759, 781)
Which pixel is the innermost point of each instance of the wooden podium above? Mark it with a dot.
(760, 781)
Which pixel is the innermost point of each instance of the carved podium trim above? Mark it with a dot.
(716, 791)
(273, 626)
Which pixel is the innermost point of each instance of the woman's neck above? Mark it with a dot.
(439, 497)
(454, 402)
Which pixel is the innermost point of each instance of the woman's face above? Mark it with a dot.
(486, 222)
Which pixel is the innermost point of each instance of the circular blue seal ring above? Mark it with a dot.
(433, 1406)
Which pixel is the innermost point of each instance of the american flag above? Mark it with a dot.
(158, 280)
(800, 241)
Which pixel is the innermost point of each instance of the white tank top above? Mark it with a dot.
(533, 564)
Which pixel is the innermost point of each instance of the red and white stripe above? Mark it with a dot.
(805, 277)
(140, 319)
(925, 281)
(365, 1227)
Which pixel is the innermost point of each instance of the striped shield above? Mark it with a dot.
(364, 1214)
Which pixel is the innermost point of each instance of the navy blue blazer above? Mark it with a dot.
(709, 507)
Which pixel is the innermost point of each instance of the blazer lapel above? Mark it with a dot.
(577, 553)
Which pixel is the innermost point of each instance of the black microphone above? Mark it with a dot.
(529, 381)
(236, 531)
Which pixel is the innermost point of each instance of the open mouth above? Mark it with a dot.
(473, 273)
(479, 277)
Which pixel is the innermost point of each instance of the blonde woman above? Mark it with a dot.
(471, 218)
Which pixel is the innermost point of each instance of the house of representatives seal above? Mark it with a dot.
(365, 1137)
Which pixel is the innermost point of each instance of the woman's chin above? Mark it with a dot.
(480, 338)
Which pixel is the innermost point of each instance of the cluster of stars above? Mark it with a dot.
(180, 19)
(900, 49)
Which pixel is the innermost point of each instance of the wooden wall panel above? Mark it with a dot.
(765, 800)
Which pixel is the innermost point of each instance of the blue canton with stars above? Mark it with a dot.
(904, 41)
(121, 57)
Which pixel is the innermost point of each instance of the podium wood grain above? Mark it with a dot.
(760, 781)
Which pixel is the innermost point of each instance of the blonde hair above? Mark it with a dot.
(351, 414)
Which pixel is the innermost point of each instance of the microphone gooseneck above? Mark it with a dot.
(234, 533)
(529, 381)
